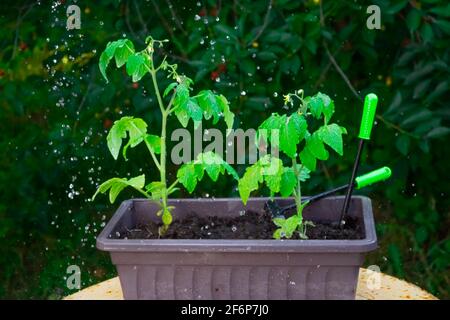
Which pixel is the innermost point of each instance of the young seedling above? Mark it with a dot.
(296, 140)
(176, 99)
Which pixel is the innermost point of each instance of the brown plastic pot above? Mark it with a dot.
(237, 269)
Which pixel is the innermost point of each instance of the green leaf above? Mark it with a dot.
(427, 32)
(277, 234)
(394, 8)
(250, 181)
(438, 132)
(190, 110)
(154, 142)
(291, 131)
(274, 122)
(402, 144)
(187, 174)
(316, 147)
(328, 106)
(320, 104)
(332, 136)
(155, 188)
(136, 128)
(413, 19)
(421, 88)
(181, 96)
(225, 108)
(247, 66)
(279, 222)
(116, 185)
(288, 182)
(444, 25)
(138, 65)
(291, 225)
(115, 190)
(209, 104)
(417, 117)
(303, 172)
(169, 88)
(442, 10)
(308, 159)
(267, 169)
(267, 56)
(123, 51)
(299, 126)
(287, 226)
(190, 173)
(273, 178)
(214, 164)
(120, 49)
(315, 105)
(438, 91)
(103, 64)
(137, 182)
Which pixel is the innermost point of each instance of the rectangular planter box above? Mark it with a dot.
(237, 269)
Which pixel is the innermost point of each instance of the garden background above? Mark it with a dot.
(55, 110)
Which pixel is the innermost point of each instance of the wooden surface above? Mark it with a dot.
(388, 288)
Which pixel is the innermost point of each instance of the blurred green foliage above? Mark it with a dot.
(55, 111)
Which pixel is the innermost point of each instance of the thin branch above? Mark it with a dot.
(19, 21)
(265, 23)
(342, 74)
(173, 185)
(322, 19)
(143, 193)
(83, 100)
(141, 20)
(152, 153)
(169, 106)
(396, 127)
(175, 17)
(130, 28)
(164, 21)
(352, 89)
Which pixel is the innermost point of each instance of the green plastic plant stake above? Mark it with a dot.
(360, 182)
(373, 177)
(370, 107)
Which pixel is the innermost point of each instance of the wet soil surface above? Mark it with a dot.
(251, 225)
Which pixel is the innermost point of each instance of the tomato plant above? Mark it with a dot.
(179, 101)
(297, 141)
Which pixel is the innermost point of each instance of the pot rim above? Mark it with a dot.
(368, 243)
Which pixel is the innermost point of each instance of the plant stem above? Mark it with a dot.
(173, 185)
(143, 193)
(298, 193)
(155, 160)
(155, 86)
(162, 160)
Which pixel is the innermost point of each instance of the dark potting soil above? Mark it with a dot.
(251, 225)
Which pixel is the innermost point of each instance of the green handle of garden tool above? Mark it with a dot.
(370, 107)
(373, 177)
